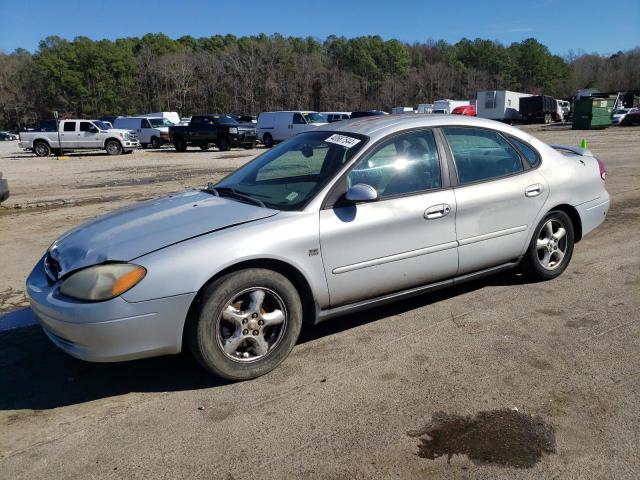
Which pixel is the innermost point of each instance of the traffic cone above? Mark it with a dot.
(584, 144)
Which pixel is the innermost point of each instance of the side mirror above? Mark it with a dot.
(361, 192)
(93, 130)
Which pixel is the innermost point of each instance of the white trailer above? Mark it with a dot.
(173, 117)
(424, 108)
(499, 105)
(446, 106)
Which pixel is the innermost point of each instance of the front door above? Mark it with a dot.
(498, 197)
(88, 136)
(404, 239)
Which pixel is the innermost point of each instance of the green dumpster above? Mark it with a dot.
(592, 113)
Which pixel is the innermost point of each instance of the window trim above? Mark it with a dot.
(504, 136)
(334, 194)
(525, 162)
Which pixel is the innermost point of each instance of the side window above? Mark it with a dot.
(405, 164)
(490, 99)
(145, 124)
(69, 127)
(481, 154)
(532, 157)
(86, 126)
(298, 119)
(196, 121)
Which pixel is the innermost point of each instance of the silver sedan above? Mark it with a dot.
(342, 218)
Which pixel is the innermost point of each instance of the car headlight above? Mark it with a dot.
(233, 130)
(102, 282)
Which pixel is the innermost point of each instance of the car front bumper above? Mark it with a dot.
(113, 330)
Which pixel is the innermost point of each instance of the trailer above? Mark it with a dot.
(424, 108)
(503, 105)
(539, 109)
(396, 110)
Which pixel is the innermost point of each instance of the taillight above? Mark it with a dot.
(603, 169)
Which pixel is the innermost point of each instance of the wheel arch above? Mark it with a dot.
(574, 216)
(41, 140)
(297, 278)
(104, 145)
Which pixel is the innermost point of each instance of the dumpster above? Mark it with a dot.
(592, 113)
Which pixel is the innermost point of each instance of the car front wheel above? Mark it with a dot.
(551, 247)
(113, 147)
(248, 323)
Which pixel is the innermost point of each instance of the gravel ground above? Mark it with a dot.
(498, 378)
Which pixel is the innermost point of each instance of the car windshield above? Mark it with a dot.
(160, 122)
(101, 125)
(312, 117)
(290, 174)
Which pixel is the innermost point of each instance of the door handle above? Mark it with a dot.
(533, 190)
(437, 211)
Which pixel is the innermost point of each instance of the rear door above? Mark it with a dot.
(406, 238)
(498, 197)
(68, 134)
(88, 136)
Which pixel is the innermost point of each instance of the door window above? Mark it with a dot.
(86, 126)
(146, 124)
(69, 127)
(405, 164)
(298, 119)
(481, 154)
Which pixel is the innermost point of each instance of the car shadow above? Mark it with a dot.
(34, 374)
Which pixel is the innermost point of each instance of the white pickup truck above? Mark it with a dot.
(79, 135)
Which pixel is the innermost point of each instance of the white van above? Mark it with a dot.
(150, 131)
(278, 126)
(336, 116)
(173, 117)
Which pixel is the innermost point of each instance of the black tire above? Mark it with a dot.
(41, 149)
(180, 145)
(267, 139)
(155, 142)
(223, 144)
(203, 333)
(144, 145)
(532, 265)
(205, 147)
(113, 147)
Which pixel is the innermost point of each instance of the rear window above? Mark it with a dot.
(530, 155)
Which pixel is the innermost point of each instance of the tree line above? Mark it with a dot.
(89, 79)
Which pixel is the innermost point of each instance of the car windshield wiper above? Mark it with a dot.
(231, 192)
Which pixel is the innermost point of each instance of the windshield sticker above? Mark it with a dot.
(343, 140)
(292, 196)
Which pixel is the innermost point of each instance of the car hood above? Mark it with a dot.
(134, 231)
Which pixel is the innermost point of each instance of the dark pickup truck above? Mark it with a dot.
(206, 130)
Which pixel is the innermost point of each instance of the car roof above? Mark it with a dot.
(379, 126)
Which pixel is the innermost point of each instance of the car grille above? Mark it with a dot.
(51, 268)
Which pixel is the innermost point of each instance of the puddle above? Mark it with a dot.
(501, 437)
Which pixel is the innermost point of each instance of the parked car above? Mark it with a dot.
(399, 110)
(631, 118)
(206, 130)
(150, 131)
(332, 221)
(7, 136)
(469, 110)
(447, 106)
(4, 189)
(618, 115)
(424, 108)
(336, 116)
(278, 126)
(368, 113)
(173, 117)
(78, 134)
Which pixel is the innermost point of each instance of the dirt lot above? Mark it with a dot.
(389, 393)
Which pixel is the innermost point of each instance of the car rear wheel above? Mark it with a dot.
(155, 142)
(248, 323)
(180, 145)
(223, 144)
(267, 139)
(551, 247)
(113, 147)
(41, 149)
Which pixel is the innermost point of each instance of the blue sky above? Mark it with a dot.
(562, 25)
